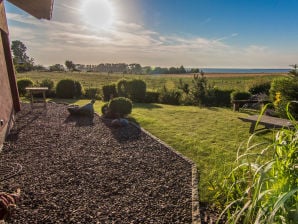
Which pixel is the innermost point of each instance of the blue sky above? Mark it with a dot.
(193, 33)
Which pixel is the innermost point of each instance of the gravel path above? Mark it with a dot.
(81, 171)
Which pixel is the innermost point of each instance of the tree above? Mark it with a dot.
(56, 68)
(21, 60)
(182, 70)
(70, 65)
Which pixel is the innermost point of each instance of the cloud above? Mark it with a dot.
(51, 42)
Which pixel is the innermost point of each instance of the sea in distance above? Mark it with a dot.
(243, 70)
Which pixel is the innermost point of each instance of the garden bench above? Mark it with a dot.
(267, 121)
(37, 90)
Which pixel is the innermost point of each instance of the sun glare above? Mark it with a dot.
(98, 13)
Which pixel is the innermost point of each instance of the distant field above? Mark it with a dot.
(154, 82)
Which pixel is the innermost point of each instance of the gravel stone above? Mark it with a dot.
(82, 170)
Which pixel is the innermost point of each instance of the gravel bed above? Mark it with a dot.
(77, 170)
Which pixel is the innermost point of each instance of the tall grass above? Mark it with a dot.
(262, 190)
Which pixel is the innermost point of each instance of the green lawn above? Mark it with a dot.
(209, 137)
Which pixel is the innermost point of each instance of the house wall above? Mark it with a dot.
(9, 102)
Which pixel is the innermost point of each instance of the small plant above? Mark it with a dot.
(239, 95)
(109, 92)
(8, 202)
(260, 190)
(22, 84)
(120, 106)
(68, 88)
(282, 91)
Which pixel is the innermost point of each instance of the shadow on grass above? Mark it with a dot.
(148, 106)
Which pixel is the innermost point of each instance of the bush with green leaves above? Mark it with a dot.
(263, 185)
(120, 106)
(151, 97)
(137, 90)
(171, 96)
(260, 87)
(92, 93)
(69, 88)
(199, 89)
(50, 84)
(122, 87)
(282, 91)
(240, 95)
(218, 98)
(22, 84)
(109, 91)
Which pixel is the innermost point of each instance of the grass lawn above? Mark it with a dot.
(208, 136)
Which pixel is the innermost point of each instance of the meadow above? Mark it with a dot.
(210, 137)
(154, 82)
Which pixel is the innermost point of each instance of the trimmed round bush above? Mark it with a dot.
(109, 91)
(47, 83)
(238, 95)
(22, 84)
(68, 88)
(120, 106)
(50, 84)
(137, 90)
(122, 88)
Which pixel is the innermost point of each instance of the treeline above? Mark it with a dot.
(23, 63)
(124, 68)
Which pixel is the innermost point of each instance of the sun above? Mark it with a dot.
(98, 13)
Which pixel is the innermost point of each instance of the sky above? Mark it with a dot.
(192, 33)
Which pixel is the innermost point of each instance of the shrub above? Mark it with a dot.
(120, 106)
(92, 93)
(238, 95)
(186, 99)
(262, 187)
(22, 84)
(169, 96)
(47, 83)
(137, 90)
(199, 90)
(122, 88)
(151, 97)
(282, 91)
(218, 98)
(260, 87)
(68, 88)
(50, 84)
(109, 92)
